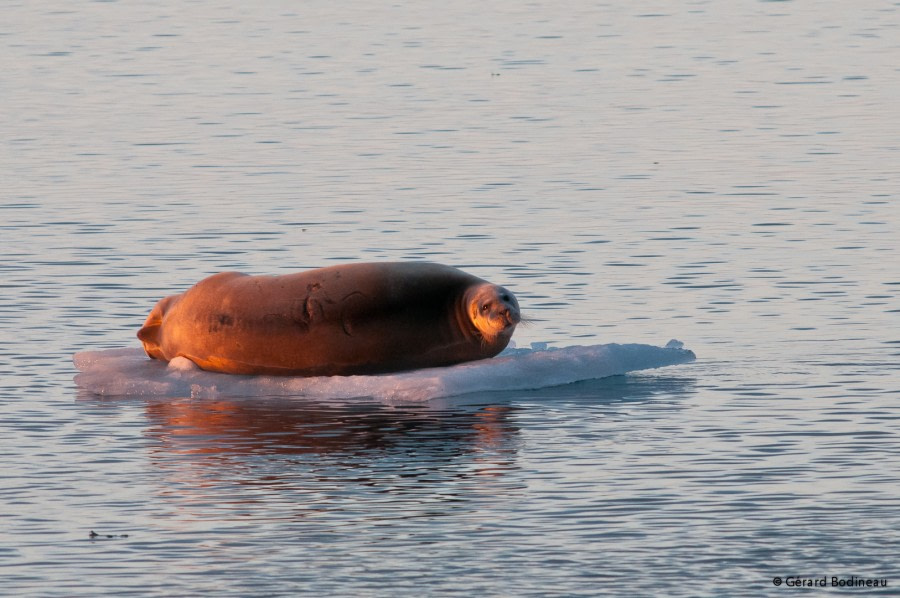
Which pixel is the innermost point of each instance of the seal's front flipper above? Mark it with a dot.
(150, 333)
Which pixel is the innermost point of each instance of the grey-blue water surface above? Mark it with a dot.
(724, 173)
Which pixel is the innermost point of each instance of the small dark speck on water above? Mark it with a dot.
(93, 535)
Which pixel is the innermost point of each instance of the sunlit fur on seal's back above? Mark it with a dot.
(341, 320)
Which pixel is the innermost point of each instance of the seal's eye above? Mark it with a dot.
(504, 297)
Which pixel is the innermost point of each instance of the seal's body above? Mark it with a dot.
(342, 320)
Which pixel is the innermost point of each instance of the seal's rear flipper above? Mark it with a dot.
(150, 332)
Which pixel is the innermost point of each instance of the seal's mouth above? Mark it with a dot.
(510, 317)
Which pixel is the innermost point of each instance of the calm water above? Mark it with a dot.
(724, 173)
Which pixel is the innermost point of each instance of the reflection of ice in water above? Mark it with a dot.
(130, 372)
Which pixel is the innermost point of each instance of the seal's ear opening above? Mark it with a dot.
(149, 334)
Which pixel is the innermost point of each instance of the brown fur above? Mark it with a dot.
(341, 320)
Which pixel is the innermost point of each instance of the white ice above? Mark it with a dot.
(130, 372)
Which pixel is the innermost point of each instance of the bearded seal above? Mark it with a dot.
(366, 318)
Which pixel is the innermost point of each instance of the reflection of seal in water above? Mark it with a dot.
(342, 320)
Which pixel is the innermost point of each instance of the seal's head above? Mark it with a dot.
(494, 311)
